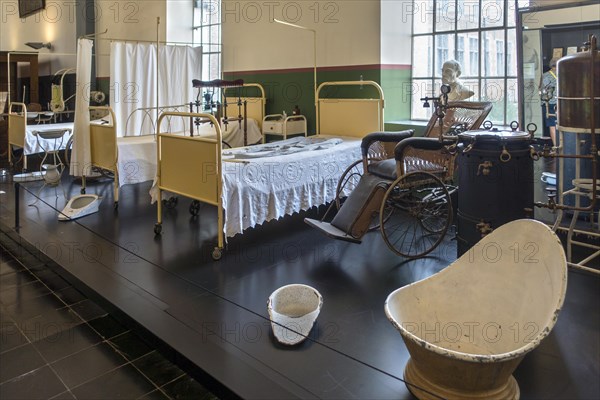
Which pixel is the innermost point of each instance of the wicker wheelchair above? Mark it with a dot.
(402, 186)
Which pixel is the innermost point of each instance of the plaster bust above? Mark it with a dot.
(451, 70)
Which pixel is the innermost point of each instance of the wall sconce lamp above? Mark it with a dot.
(39, 45)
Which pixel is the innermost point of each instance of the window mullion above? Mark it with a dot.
(434, 19)
(456, 16)
(505, 105)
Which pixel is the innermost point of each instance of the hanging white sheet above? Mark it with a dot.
(133, 70)
(81, 158)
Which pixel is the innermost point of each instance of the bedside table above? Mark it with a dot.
(275, 124)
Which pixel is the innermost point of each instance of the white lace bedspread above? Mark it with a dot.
(257, 190)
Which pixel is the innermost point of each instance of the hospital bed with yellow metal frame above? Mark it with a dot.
(128, 159)
(20, 134)
(194, 167)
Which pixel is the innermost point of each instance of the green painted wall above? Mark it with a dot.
(396, 84)
(285, 89)
(418, 127)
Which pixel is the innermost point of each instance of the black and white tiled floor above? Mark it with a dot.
(57, 344)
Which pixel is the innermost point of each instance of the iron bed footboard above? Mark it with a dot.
(181, 161)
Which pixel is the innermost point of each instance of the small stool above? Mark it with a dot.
(56, 135)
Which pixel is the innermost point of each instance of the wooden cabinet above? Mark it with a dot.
(8, 68)
(9, 61)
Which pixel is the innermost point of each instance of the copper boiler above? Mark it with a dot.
(575, 91)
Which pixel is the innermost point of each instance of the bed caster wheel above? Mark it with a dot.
(217, 253)
(195, 208)
(157, 228)
(171, 202)
(82, 191)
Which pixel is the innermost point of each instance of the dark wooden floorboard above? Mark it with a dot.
(213, 313)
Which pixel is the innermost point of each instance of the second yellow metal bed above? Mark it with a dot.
(21, 134)
(132, 159)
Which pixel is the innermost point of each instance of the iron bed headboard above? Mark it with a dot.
(349, 116)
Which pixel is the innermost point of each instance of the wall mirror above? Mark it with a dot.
(545, 32)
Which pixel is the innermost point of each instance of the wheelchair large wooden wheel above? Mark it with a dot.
(348, 182)
(415, 214)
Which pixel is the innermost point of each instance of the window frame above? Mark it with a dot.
(211, 48)
(510, 8)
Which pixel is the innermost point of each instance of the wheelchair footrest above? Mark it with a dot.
(361, 206)
(331, 230)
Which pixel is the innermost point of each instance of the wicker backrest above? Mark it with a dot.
(470, 114)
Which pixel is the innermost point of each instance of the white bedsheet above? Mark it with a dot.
(258, 190)
(137, 154)
(32, 146)
(233, 133)
(137, 159)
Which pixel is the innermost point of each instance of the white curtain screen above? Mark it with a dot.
(81, 157)
(133, 71)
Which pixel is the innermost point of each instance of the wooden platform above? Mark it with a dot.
(213, 314)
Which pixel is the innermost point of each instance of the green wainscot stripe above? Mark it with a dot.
(397, 87)
(285, 90)
(417, 126)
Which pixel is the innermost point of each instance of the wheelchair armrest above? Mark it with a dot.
(421, 143)
(387, 137)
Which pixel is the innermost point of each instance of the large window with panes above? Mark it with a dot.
(481, 36)
(207, 33)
